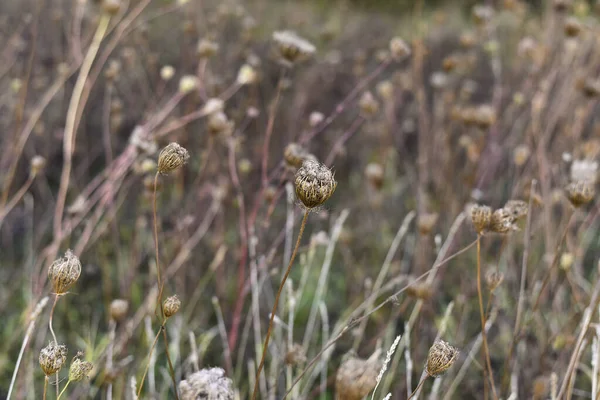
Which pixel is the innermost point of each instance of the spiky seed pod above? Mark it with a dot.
(375, 174)
(294, 155)
(172, 157)
(64, 272)
(493, 279)
(118, 309)
(295, 355)
(399, 49)
(208, 383)
(481, 217)
(580, 193)
(502, 221)
(37, 164)
(314, 183)
(171, 306)
(441, 357)
(516, 208)
(79, 370)
(52, 358)
(292, 48)
(356, 377)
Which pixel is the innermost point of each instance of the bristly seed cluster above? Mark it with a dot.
(441, 357)
(581, 189)
(64, 272)
(172, 157)
(171, 306)
(52, 358)
(314, 183)
(501, 220)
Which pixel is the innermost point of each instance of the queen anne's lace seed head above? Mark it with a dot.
(172, 157)
(481, 217)
(64, 272)
(441, 357)
(292, 48)
(52, 358)
(171, 306)
(580, 192)
(314, 183)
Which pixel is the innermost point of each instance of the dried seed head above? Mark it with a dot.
(481, 217)
(314, 183)
(52, 358)
(566, 261)
(64, 272)
(118, 309)
(208, 383)
(368, 104)
(420, 290)
(521, 155)
(441, 357)
(315, 118)
(493, 279)
(79, 370)
(292, 48)
(399, 49)
(295, 355)
(111, 7)
(375, 174)
(167, 72)
(450, 63)
(356, 377)
(516, 208)
(37, 164)
(219, 124)
(188, 83)
(502, 221)
(246, 75)
(572, 27)
(385, 89)
(484, 116)
(482, 14)
(206, 48)
(580, 192)
(172, 157)
(294, 155)
(426, 222)
(585, 171)
(171, 306)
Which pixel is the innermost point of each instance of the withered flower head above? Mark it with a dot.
(580, 192)
(206, 48)
(171, 306)
(118, 309)
(493, 279)
(79, 370)
(426, 222)
(368, 105)
(399, 49)
(356, 377)
(502, 221)
(314, 183)
(420, 290)
(481, 216)
(64, 272)
(295, 355)
(572, 27)
(294, 155)
(37, 164)
(52, 358)
(441, 357)
(375, 174)
(584, 170)
(172, 157)
(219, 124)
(291, 47)
(208, 383)
(516, 208)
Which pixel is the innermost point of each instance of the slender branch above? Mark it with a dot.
(148, 363)
(418, 387)
(171, 369)
(287, 272)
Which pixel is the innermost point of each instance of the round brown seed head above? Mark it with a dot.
(516, 208)
(420, 290)
(375, 174)
(37, 164)
(368, 104)
(572, 27)
(356, 377)
(426, 222)
(79, 370)
(502, 221)
(208, 383)
(294, 155)
(171, 306)
(580, 193)
(111, 7)
(493, 279)
(295, 355)
(441, 357)
(314, 183)
(52, 358)
(291, 47)
(481, 217)
(64, 272)
(399, 49)
(118, 309)
(172, 157)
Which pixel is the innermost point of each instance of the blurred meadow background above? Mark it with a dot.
(456, 258)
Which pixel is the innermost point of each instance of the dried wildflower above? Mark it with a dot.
(118, 309)
(206, 48)
(244, 166)
(450, 63)
(420, 290)
(468, 40)
(493, 279)
(521, 155)
(314, 183)
(315, 118)
(441, 357)
(566, 261)
(171, 158)
(438, 80)
(64, 272)
(291, 47)
(167, 72)
(368, 104)
(484, 116)
(572, 27)
(580, 192)
(212, 106)
(171, 306)
(375, 174)
(111, 7)
(482, 14)
(219, 124)
(584, 170)
(294, 155)
(502, 221)
(399, 49)
(79, 370)
(246, 75)
(295, 355)
(426, 222)
(37, 164)
(385, 89)
(52, 358)
(209, 384)
(516, 208)
(561, 5)
(481, 216)
(188, 83)
(356, 377)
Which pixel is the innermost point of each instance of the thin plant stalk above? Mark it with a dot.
(62, 391)
(45, 386)
(482, 315)
(171, 369)
(53, 334)
(418, 387)
(289, 268)
(148, 363)
(155, 223)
